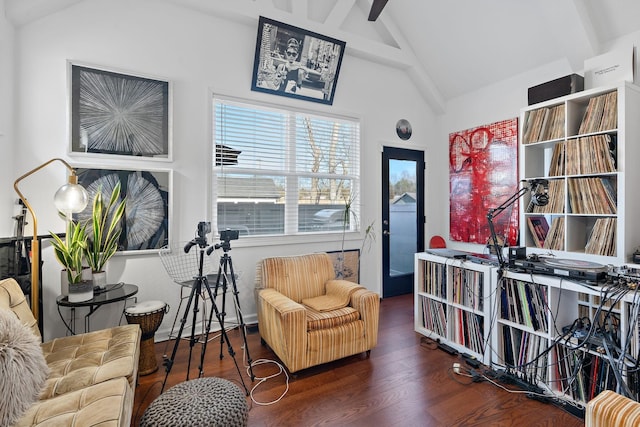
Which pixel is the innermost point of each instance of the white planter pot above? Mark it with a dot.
(100, 279)
(80, 292)
(64, 283)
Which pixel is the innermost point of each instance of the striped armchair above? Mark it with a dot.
(308, 317)
(610, 409)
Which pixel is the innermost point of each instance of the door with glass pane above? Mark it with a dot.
(402, 217)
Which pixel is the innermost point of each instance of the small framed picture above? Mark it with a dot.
(297, 63)
(148, 206)
(119, 114)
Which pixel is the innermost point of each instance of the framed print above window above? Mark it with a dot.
(297, 63)
(148, 204)
(119, 114)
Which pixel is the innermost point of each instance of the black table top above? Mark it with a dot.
(112, 293)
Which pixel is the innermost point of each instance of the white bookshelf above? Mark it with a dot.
(536, 158)
(453, 303)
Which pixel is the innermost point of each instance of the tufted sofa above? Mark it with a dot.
(308, 317)
(92, 376)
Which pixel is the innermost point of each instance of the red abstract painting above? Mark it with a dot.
(483, 173)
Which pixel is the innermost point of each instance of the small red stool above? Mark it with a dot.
(437, 242)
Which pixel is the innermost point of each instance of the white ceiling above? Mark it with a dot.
(447, 47)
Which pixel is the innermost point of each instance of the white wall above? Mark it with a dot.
(200, 54)
(490, 104)
(6, 123)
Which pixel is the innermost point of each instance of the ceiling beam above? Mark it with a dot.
(339, 13)
(587, 24)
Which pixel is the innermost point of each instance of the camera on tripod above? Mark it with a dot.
(204, 228)
(228, 235)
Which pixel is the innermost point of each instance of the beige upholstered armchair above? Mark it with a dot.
(307, 317)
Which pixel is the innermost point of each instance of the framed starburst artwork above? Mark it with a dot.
(119, 114)
(145, 223)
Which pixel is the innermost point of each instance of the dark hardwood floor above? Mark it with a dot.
(402, 383)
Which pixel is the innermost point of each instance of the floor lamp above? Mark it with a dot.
(69, 199)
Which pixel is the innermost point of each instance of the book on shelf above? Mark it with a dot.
(601, 114)
(557, 166)
(593, 195)
(588, 155)
(602, 240)
(544, 124)
(555, 236)
(539, 228)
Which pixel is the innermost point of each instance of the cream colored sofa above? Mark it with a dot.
(92, 376)
(308, 317)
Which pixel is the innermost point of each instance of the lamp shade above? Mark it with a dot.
(71, 198)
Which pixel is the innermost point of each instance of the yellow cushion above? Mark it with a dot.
(106, 404)
(329, 319)
(338, 295)
(82, 360)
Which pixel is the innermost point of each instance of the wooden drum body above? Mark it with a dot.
(148, 315)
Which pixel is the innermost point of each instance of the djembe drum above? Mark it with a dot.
(148, 315)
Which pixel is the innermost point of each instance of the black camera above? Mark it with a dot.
(204, 228)
(228, 235)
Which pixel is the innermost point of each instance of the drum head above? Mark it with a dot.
(145, 307)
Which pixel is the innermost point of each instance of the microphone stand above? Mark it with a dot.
(539, 200)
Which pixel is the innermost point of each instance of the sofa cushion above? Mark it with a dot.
(23, 370)
(12, 298)
(338, 294)
(329, 319)
(82, 360)
(106, 404)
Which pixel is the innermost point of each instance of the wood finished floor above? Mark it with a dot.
(402, 383)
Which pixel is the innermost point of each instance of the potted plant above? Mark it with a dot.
(104, 233)
(369, 236)
(69, 253)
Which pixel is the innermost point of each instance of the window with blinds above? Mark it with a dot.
(282, 172)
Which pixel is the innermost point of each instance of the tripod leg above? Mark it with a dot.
(221, 277)
(194, 318)
(206, 325)
(224, 336)
(240, 320)
(169, 362)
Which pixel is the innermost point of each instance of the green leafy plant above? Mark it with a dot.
(369, 233)
(105, 231)
(69, 252)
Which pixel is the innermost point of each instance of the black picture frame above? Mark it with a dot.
(118, 114)
(148, 212)
(311, 73)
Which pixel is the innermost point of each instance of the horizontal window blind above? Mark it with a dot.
(279, 171)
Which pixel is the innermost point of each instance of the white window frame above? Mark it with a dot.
(291, 200)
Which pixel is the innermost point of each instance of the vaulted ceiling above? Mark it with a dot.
(447, 47)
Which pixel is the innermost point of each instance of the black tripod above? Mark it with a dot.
(225, 270)
(200, 284)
